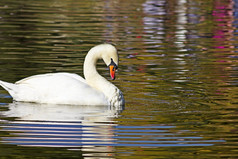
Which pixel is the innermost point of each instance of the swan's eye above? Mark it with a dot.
(113, 64)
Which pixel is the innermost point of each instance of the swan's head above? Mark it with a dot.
(108, 53)
(110, 57)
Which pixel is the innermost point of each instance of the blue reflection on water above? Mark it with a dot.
(94, 127)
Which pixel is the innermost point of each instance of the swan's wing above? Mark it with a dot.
(58, 88)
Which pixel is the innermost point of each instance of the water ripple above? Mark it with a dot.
(94, 126)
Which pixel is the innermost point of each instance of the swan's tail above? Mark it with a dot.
(10, 87)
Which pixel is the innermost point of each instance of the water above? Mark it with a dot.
(178, 73)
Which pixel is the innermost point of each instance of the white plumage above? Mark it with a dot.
(69, 88)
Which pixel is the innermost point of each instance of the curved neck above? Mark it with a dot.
(89, 67)
(92, 77)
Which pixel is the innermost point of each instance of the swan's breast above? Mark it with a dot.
(116, 98)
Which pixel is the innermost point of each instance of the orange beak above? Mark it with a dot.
(112, 71)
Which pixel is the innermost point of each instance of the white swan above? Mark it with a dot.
(69, 88)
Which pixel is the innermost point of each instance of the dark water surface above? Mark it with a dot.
(178, 72)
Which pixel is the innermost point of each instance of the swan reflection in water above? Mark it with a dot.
(88, 128)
